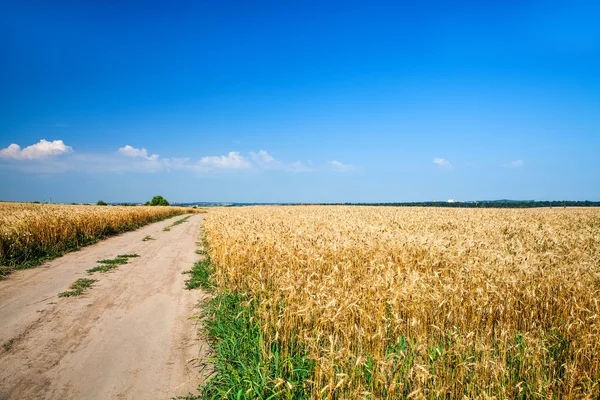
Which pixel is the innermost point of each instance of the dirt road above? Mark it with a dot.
(129, 336)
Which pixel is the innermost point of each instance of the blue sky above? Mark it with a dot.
(276, 101)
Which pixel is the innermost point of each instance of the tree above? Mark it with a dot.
(159, 201)
(101, 203)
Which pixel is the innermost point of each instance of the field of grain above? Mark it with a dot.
(31, 232)
(418, 302)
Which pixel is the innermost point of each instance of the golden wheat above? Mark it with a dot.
(422, 302)
(29, 232)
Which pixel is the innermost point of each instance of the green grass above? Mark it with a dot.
(102, 268)
(110, 264)
(179, 221)
(200, 275)
(78, 287)
(241, 370)
(148, 237)
(116, 260)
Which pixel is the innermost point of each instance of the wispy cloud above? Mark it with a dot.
(442, 162)
(515, 164)
(130, 151)
(298, 166)
(233, 160)
(263, 160)
(133, 159)
(340, 167)
(144, 161)
(42, 149)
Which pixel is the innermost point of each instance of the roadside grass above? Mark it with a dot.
(110, 264)
(78, 287)
(4, 271)
(200, 274)
(179, 221)
(148, 237)
(241, 370)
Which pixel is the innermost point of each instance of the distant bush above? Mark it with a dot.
(101, 203)
(158, 201)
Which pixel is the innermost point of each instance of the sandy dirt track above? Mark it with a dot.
(128, 337)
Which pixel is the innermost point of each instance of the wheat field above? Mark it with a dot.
(420, 302)
(31, 232)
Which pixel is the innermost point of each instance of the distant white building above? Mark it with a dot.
(452, 201)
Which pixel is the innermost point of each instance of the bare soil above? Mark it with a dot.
(129, 336)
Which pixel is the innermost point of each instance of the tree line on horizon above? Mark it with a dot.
(484, 204)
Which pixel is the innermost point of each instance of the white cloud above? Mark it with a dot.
(341, 167)
(131, 159)
(442, 162)
(298, 166)
(233, 160)
(263, 158)
(130, 151)
(152, 163)
(516, 164)
(12, 151)
(40, 150)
